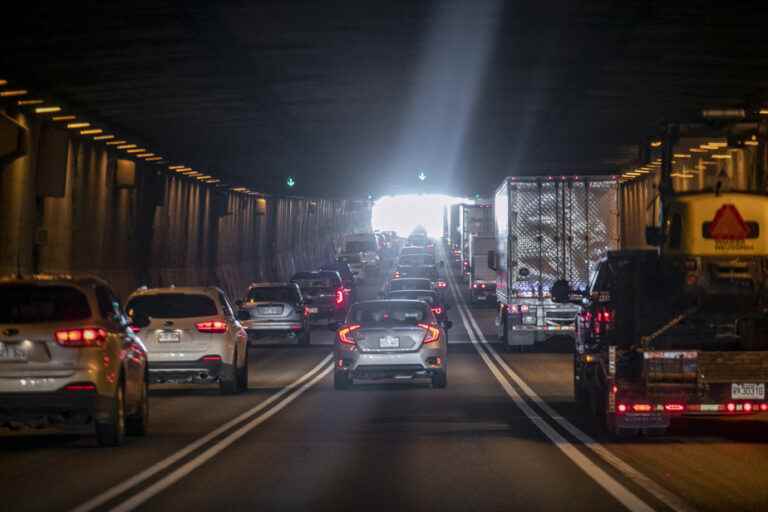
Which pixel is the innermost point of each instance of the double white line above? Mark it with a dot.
(247, 421)
(496, 364)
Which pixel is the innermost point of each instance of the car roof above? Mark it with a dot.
(80, 280)
(433, 292)
(410, 279)
(272, 285)
(388, 301)
(211, 291)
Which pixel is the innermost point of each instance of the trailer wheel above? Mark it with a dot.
(580, 392)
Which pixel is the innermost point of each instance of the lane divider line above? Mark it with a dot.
(167, 481)
(662, 494)
(151, 471)
(623, 495)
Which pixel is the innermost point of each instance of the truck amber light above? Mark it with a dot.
(213, 327)
(431, 333)
(674, 407)
(84, 337)
(346, 331)
(641, 407)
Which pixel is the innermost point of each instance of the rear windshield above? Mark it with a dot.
(315, 283)
(172, 305)
(411, 250)
(415, 295)
(389, 313)
(29, 304)
(423, 271)
(416, 259)
(355, 246)
(276, 294)
(410, 284)
(351, 258)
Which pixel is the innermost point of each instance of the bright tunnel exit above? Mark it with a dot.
(402, 213)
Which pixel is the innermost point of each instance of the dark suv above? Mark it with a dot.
(324, 296)
(347, 278)
(275, 312)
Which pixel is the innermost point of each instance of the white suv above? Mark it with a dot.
(192, 336)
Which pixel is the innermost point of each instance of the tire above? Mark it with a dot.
(112, 431)
(228, 382)
(501, 329)
(439, 380)
(580, 393)
(341, 380)
(137, 423)
(306, 338)
(242, 374)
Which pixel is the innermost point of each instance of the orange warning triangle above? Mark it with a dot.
(728, 224)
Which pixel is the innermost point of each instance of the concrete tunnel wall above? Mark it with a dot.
(161, 229)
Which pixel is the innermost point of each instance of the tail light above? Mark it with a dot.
(621, 408)
(442, 284)
(474, 285)
(674, 407)
(730, 407)
(523, 308)
(396, 275)
(641, 407)
(432, 333)
(80, 387)
(135, 329)
(466, 263)
(83, 337)
(437, 310)
(603, 321)
(345, 333)
(212, 359)
(339, 296)
(212, 327)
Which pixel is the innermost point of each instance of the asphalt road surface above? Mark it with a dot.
(505, 434)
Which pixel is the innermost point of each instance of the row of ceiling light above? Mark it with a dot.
(57, 114)
(701, 151)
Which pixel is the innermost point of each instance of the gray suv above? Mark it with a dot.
(391, 339)
(275, 312)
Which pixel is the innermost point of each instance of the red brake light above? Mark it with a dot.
(345, 331)
(80, 387)
(437, 310)
(212, 359)
(442, 284)
(674, 407)
(136, 330)
(82, 337)
(523, 308)
(212, 326)
(747, 407)
(730, 407)
(432, 333)
(340, 296)
(622, 408)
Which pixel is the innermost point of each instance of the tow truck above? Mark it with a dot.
(678, 325)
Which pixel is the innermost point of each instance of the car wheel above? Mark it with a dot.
(228, 381)
(138, 422)
(306, 338)
(242, 374)
(112, 431)
(439, 380)
(341, 380)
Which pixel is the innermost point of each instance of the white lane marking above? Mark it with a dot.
(135, 480)
(665, 496)
(186, 469)
(606, 481)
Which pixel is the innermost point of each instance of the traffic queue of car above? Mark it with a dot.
(72, 355)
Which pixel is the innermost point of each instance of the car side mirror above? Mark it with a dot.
(654, 236)
(492, 260)
(141, 320)
(561, 291)
(243, 315)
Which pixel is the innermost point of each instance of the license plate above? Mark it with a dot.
(271, 311)
(168, 337)
(748, 391)
(389, 342)
(313, 311)
(12, 353)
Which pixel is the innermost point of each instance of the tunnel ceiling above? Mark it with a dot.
(325, 92)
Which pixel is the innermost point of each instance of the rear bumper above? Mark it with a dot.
(328, 312)
(52, 408)
(185, 372)
(257, 330)
(405, 365)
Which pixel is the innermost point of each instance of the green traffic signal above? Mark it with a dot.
(290, 182)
